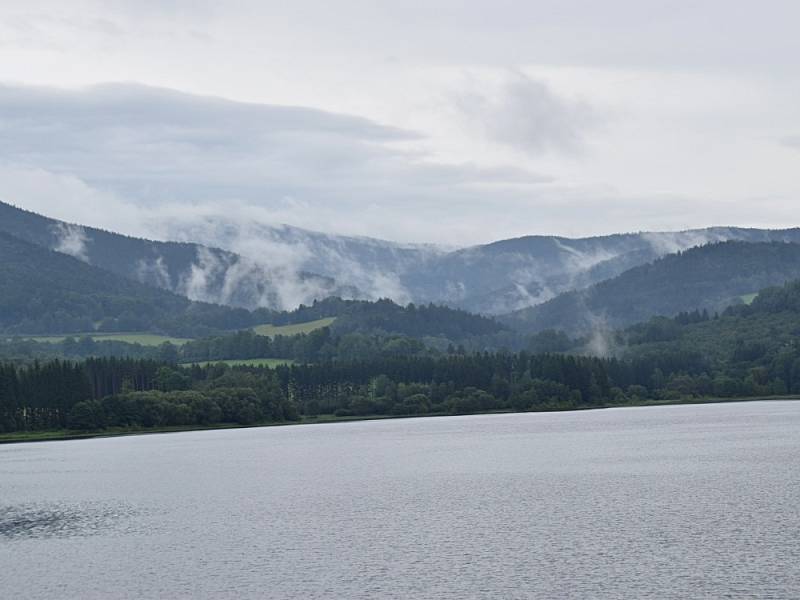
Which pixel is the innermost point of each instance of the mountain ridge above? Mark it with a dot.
(709, 277)
(251, 265)
(202, 273)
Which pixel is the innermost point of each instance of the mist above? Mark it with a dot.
(72, 240)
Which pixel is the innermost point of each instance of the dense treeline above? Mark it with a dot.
(127, 393)
(142, 393)
(453, 384)
(745, 351)
(415, 321)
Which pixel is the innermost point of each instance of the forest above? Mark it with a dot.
(128, 393)
(746, 351)
(709, 277)
(100, 393)
(47, 292)
(378, 359)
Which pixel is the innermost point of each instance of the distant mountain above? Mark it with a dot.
(376, 268)
(48, 292)
(201, 273)
(280, 267)
(513, 274)
(708, 277)
(493, 279)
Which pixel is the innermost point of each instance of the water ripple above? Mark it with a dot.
(62, 521)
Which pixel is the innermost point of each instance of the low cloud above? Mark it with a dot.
(154, 272)
(72, 240)
(165, 151)
(150, 162)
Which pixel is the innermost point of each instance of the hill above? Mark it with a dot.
(47, 292)
(494, 278)
(199, 272)
(747, 350)
(381, 317)
(708, 277)
(280, 267)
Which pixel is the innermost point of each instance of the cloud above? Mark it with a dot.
(130, 133)
(164, 150)
(527, 115)
(154, 162)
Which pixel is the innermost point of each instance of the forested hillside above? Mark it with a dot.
(416, 321)
(201, 273)
(42, 291)
(740, 333)
(708, 277)
(46, 292)
(281, 267)
(507, 275)
(747, 350)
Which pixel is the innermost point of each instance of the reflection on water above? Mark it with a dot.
(663, 502)
(54, 521)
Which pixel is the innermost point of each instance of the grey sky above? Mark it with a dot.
(439, 121)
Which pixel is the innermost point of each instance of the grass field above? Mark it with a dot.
(247, 362)
(748, 298)
(272, 330)
(145, 339)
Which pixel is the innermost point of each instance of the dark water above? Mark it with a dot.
(672, 502)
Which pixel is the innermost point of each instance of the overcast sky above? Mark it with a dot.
(437, 121)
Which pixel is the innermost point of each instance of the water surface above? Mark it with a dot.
(657, 502)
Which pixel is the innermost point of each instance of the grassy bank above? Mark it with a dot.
(67, 434)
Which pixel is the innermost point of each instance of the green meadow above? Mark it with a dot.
(294, 329)
(748, 298)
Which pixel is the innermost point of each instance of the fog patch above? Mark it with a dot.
(301, 265)
(579, 261)
(72, 240)
(601, 338)
(664, 243)
(153, 272)
(222, 278)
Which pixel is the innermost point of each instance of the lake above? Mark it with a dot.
(695, 501)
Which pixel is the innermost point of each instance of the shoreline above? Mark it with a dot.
(53, 435)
